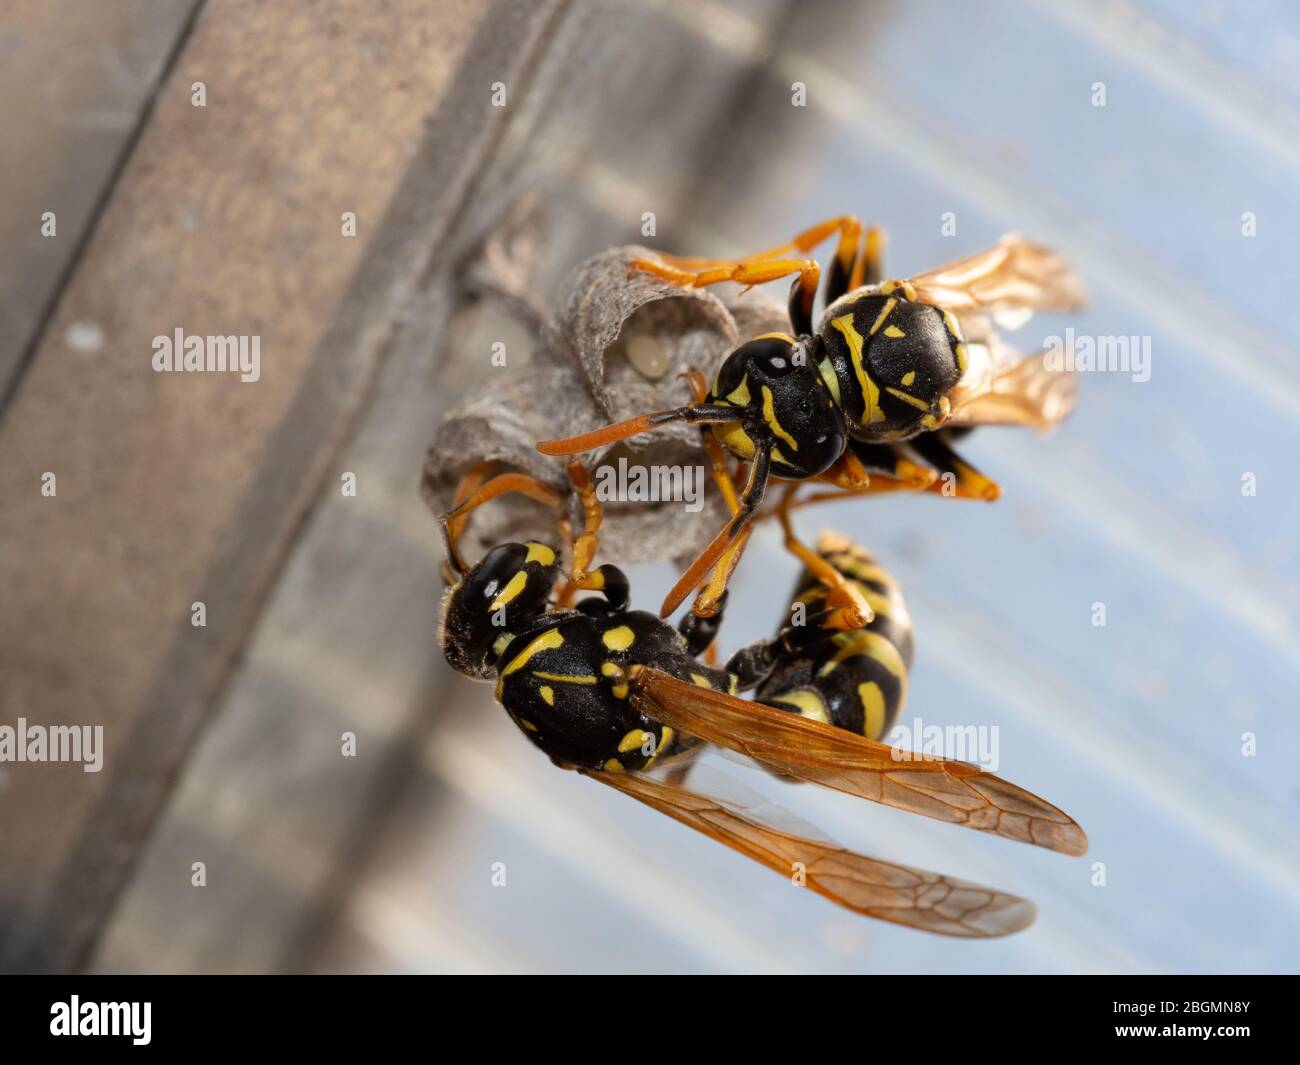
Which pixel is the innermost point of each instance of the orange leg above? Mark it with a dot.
(851, 610)
(851, 267)
(468, 484)
(847, 471)
(726, 548)
(852, 478)
(904, 476)
(706, 603)
(879, 486)
(961, 482)
(695, 414)
(868, 267)
(944, 485)
(710, 597)
(584, 546)
(848, 227)
(959, 478)
(747, 272)
(717, 456)
(472, 493)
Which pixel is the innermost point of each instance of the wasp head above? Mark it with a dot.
(509, 588)
(780, 396)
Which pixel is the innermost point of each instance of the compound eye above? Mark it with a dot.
(493, 574)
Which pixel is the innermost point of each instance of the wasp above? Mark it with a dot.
(872, 397)
(628, 700)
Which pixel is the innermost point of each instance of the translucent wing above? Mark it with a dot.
(742, 820)
(1002, 387)
(836, 758)
(1013, 274)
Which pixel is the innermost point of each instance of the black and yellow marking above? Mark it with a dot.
(858, 679)
(565, 683)
(892, 359)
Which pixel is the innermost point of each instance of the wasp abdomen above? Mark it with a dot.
(853, 680)
(564, 683)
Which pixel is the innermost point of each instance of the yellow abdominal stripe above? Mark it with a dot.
(809, 704)
(861, 569)
(873, 645)
(547, 641)
(873, 708)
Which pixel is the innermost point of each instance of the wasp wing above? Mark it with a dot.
(808, 750)
(1002, 387)
(1014, 274)
(744, 821)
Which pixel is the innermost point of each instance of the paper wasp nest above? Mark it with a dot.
(615, 347)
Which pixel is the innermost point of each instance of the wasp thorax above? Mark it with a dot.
(507, 589)
(894, 360)
(774, 379)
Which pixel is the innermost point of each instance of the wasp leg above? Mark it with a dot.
(949, 474)
(726, 548)
(608, 580)
(847, 471)
(472, 493)
(861, 266)
(453, 528)
(753, 663)
(891, 462)
(706, 602)
(957, 477)
(700, 631)
(694, 414)
(869, 268)
(749, 272)
(848, 227)
(696, 382)
(710, 600)
(717, 457)
(848, 268)
(847, 608)
(886, 467)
